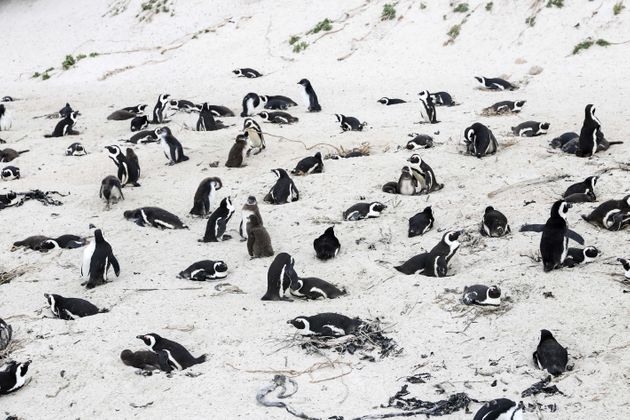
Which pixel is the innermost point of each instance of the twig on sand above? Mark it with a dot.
(61, 388)
(134, 405)
(156, 289)
(7, 276)
(527, 183)
(328, 364)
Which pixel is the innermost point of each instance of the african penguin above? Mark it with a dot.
(6, 333)
(274, 104)
(314, 288)
(550, 355)
(494, 223)
(172, 148)
(280, 276)
(362, 211)
(97, 258)
(32, 242)
(327, 245)
(205, 196)
(10, 173)
(424, 173)
(421, 223)
(480, 140)
(146, 360)
(205, 270)
(419, 141)
(564, 139)
(128, 165)
(238, 152)
(251, 102)
(309, 165)
(250, 207)
(183, 105)
(586, 186)
(62, 242)
(179, 358)
(495, 83)
(554, 240)
(278, 117)
(254, 135)
(76, 149)
(435, 262)
(258, 239)
(143, 137)
(350, 123)
(326, 324)
(206, 121)
(9, 155)
(442, 99)
(218, 110)
(156, 217)
(284, 190)
(9, 199)
(217, 223)
(390, 101)
(479, 294)
(588, 134)
(530, 129)
(503, 108)
(309, 95)
(13, 376)
(625, 264)
(6, 121)
(247, 72)
(111, 190)
(427, 108)
(128, 112)
(407, 184)
(139, 123)
(581, 255)
(500, 409)
(65, 127)
(71, 308)
(612, 214)
(66, 111)
(160, 108)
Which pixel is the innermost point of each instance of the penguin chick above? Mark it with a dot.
(258, 239)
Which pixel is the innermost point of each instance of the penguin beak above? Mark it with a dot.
(140, 337)
(289, 321)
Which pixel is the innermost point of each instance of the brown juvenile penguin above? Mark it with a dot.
(258, 239)
(238, 152)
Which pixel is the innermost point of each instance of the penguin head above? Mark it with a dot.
(377, 206)
(545, 335)
(52, 302)
(330, 231)
(21, 369)
(251, 200)
(304, 82)
(469, 135)
(481, 80)
(428, 211)
(74, 115)
(518, 105)
(590, 252)
(301, 323)
(237, 72)
(149, 339)
(162, 132)
(544, 126)
(560, 208)
(489, 209)
(264, 115)
(494, 292)
(98, 236)
(113, 150)
(415, 159)
(163, 98)
(280, 173)
(220, 267)
(451, 237)
(130, 214)
(142, 108)
(242, 137)
(174, 103)
(424, 94)
(48, 244)
(318, 156)
(339, 117)
(406, 170)
(384, 101)
(263, 98)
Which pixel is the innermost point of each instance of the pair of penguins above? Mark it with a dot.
(414, 180)
(253, 101)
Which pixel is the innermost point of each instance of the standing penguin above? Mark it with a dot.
(111, 190)
(160, 108)
(71, 308)
(5, 119)
(421, 223)
(427, 107)
(279, 277)
(424, 173)
(217, 223)
(309, 165)
(550, 355)
(13, 376)
(251, 102)
(284, 190)
(327, 245)
(239, 151)
(254, 135)
(172, 148)
(588, 135)
(480, 140)
(309, 95)
(206, 121)
(128, 165)
(250, 207)
(258, 239)
(179, 358)
(500, 409)
(554, 243)
(97, 258)
(494, 223)
(204, 196)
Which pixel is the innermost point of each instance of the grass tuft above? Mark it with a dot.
(461, 8)
(389, 12)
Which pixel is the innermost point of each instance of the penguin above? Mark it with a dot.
(128, 165)
(550, 355)
(494, 223)
(495, 83)
(173, 149)
(554, 240)
(427, 108)
(480, 141)
(362, 211)
(288, 102)
(284, 190)
(238, 152)
(136, 109)
(206, 121)
(588, 134)
(564, 139)
(435, 262)
(154, 216)
(143, 137)
(327, 245)
(13, 376)
(127, 113)
(218, 110)
(217, 223)
(250, 207)
(391, 101)
(183, 105)
(111, 190)
(76, 149)
(7, 99)
(349, 123)
(278, 117)
(65, 127)
(65, 111)
(530, 129)
(414, 265)
(500, 409)
(274, 104)
(258, 239)
(160, 108)
(626, 266)
(139, 123)
(71, 308)
(581, 255)
(205, 196)
(584, 187)
(448, 245)
(5, 119)
(478, 294)
(62, 242)
(247, 72)
(254, 135)
(612, 214)
(6, 333)
(503, 108)
(312, 288)
(179, 358)
(7, 155)
(424, 174)
(419, 141)
(588, 197)
(251, 102)
(421, 223)
(442, 99)
(97, 258)
(602, 143)
(309, 95)
(407, 184)
(326, 324)
(10, 199)
(205, 270)
(280, 276)
(146, 360)
(10, 173)
(32, 242)
(309, 165)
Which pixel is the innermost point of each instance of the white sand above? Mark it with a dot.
(589, 314)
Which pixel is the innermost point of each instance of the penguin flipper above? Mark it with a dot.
(115, 264)
(571, 234)
(532, 228)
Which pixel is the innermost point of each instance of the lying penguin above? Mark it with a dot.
(435, 262)
(156, 217)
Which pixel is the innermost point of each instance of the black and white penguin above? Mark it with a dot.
(494, 223)
(554, 241)
(7, 99)
(139, 123)
(9, 199)
(65, 111)
(258, 239)
(65, 127)
(254, 135)
(495, 83)
(362, 211)
(13, 376)
(250, 207)
(309, 165)
(172, 148)
(156, 217)
(6, 121)
(217, 223)
(127, 113)
(326, 324)
(391, 101)
(143, 137)
(251, 102)
(183, 105)
(581, 255)
(97, 258)
(146, 360)
(6, 334)
(350, 123)
(136, 109)
(500, 409)
(62, 242)
(76, 149)
(503, 108)
(314, 288)
(274, 104)
(427, 108)
(206, 121)
(278, 117)
(407, 184)
(421, 223)
(179, 358)
(587, 197)
(309, 95)
(565, 139)
(419, 141)
(625, 264)
(327, 245)
(247, 72)
(435, 262)
(530, 129)
(239, 151)
(550, 355)
(442, 99)
(479, 294)
(480, 140)
(9, 155)
(10, 173)
(285, 100)
(612, 214)
(160, 108)
(111, 190)
(586, 186)
(588, 134)
(424, 173)
(205, 270)
(218, 110)
(71, 308)
(280, 276)
(128, 165)
(205, 196)
(284, 190)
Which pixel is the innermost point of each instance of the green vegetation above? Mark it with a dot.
(45, 76)
(531, 21)
(556, 3)
(389, 12)
(94, 54)
(422, 6)
(602, 42)
(293, 39)
(489, 6)
(68, 62)
(588, 43)
(324, 25)
(80, 57)
(300, 46)
(618, 7)
(461, 8)
(36, 75)
(454, 31)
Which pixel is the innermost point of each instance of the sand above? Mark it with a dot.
(76, 370)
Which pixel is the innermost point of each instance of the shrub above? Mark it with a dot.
(454, 31)
(618, 7)
(300, 46)
(489, 6)
(68, 62)
(389, 12)
(324, 25)
(461, 8)
(556, 3)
